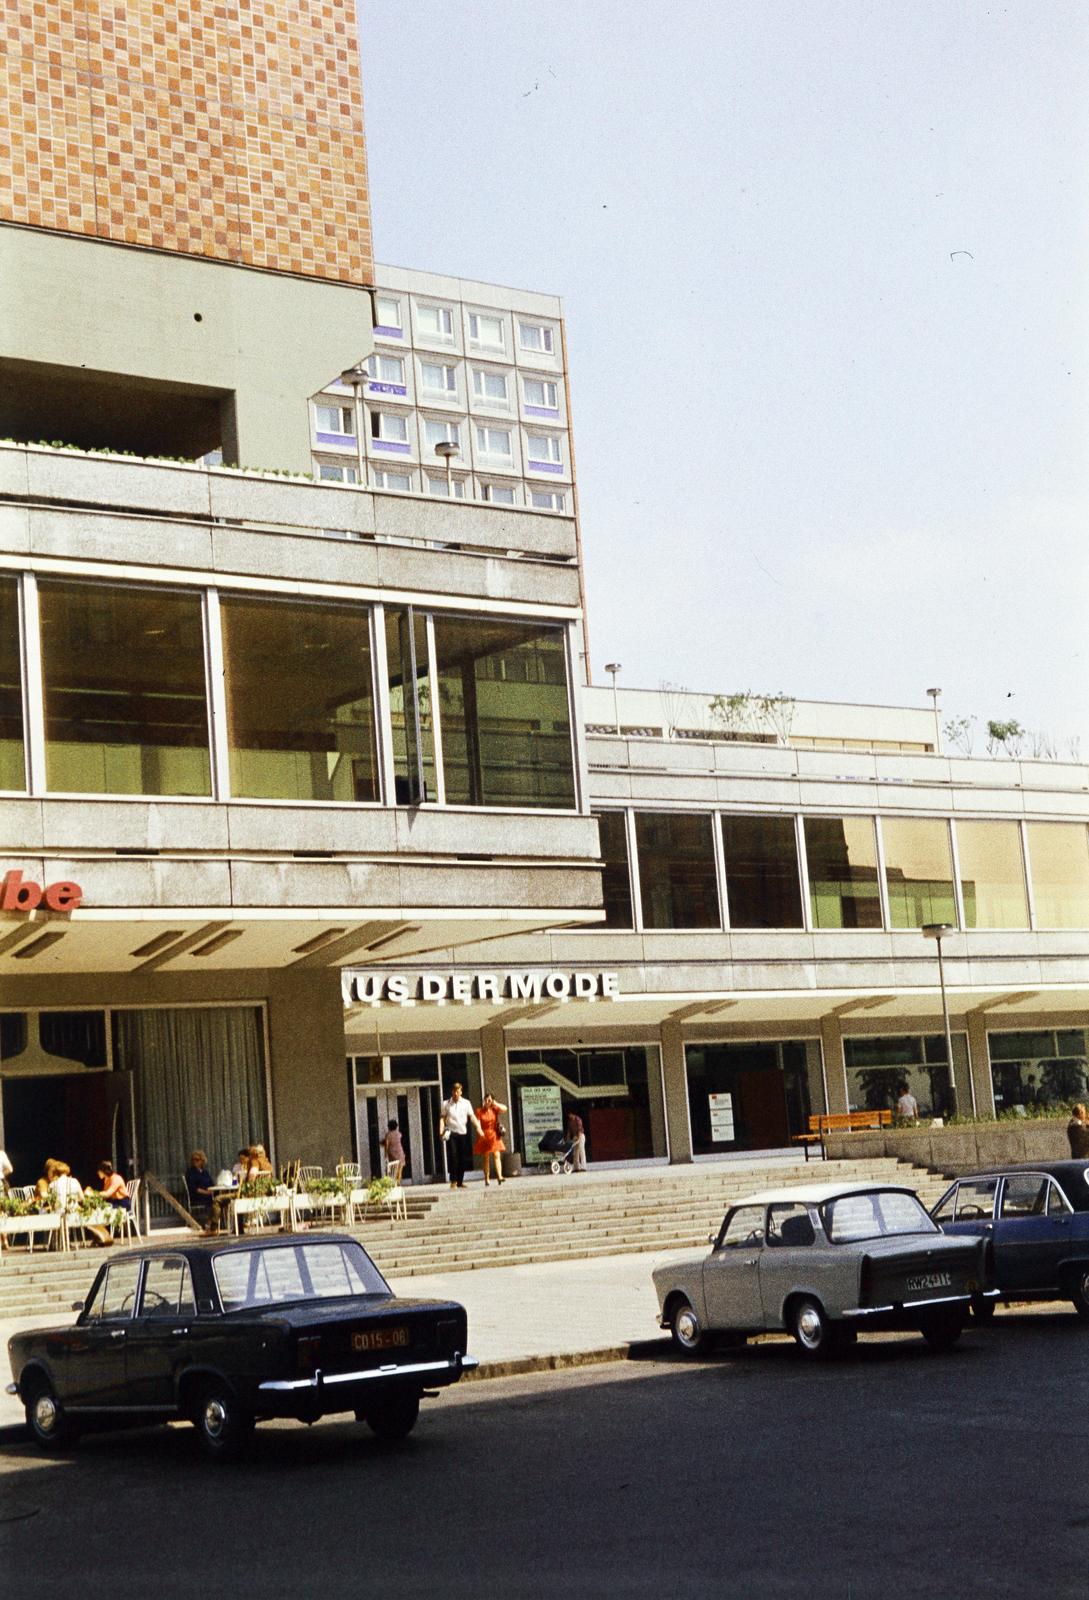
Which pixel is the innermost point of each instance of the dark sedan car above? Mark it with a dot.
(1036, 1219)
(228, 1333)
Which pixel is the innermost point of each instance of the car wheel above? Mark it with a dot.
(393, 1418)
(688, 1333)
(983, 1310)
(223, 1423)
(49, 1423)
(1079, 1292)
(942, 1329)
(816, 1336)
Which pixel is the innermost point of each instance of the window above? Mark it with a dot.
(535, 336)
(387, 372)
(295, 1272)
(919, 871)
(336, 420)
(539, 394)
(547, 500)
(116, 1299)
(440, 486)
(790, 1227)
(337, 472)
(12, 764)
(843, 888)
(399, 481)
(168, 1288)
(676, 870)
(125, 705)
(874, 1215)
(486, 331)
(1059, 857)
(494, 443)
(435, 322)
(491, 388)
(992, 875)
(440, 433)
(616, 1091)
(763, 885)
(409, 677)
(497, 494)
(744, 1230)
(506, 730)
(388, 431)
(1039, 1067)
(1024, 1196)
(616, 879)
(388, 311)
(748, 1095)
(438, 378)
(300, 706)
(544, 449)
(879, 1067)
(975, 1200)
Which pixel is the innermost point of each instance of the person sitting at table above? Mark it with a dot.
(68, 1192)
(240, 1170)
(199, 1185)
(112, 1186)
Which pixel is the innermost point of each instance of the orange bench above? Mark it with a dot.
(840, 1122)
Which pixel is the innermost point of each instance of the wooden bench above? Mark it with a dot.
(840, 1122)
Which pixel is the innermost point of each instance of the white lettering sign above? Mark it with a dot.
(542, 1112)
(436, 988)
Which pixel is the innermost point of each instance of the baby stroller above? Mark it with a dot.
(555, 1151)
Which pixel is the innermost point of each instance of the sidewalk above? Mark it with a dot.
(520, 1318)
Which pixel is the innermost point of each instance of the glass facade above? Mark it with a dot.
(504, 713)
(125, 703)
(1059, 859)
(992, 875)
(616, 878)
(877, 1069)
(763, 887)
(1039, 1067)
(300, 700)
(746, 1096)
(842, 858)
(410, 706)
(677, 881)
(918, 871)
(12, 761)
(616, 1092)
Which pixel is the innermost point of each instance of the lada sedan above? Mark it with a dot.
(822, 1262)
(1035, 1220)
(227, 1333)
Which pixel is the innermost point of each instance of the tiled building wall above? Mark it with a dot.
(231, 131)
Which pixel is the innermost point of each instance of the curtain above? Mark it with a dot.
(200, 1084)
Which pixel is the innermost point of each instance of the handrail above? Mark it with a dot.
(152, 1182)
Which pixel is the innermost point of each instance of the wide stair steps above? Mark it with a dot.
(529, 1220)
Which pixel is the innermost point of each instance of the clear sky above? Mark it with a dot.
(825, 268)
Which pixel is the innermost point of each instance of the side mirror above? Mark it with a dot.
(77, 1305)
(712, 1238)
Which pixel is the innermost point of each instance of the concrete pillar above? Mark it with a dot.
(676, 1093)
(493, 1062)
(311, 1108)
(832, 1045)
(980, 1063)
(818, 1099)
(659, 1142)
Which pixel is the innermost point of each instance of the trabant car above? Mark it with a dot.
(1035, 1220)
(228, 1332)
(822, 1262)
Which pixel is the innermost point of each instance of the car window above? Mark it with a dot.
(745, 1227)
(1057, 1203)
(1024, 1195)
(874, 1214)
(256, 1277)
(790, 1227)
(975, 1199)
(116, 1298)
(168, 1288)
(943, 1211)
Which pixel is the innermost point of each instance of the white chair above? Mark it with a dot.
(394, 1199)
(306, 1173)
(127, 1223)
(350, 1172)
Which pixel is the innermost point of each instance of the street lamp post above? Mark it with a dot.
(937, 931)
(446, 450)
(935, 695)
(355, 378)
(612, 668)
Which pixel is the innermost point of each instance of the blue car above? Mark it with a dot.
(1036, 1219)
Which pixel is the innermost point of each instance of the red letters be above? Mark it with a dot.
(19, 894)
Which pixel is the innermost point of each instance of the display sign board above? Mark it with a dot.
(437, 988)
(542, 1112)
(722, 1118)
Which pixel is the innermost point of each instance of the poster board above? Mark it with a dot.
(542, 1112)
(722, 1118)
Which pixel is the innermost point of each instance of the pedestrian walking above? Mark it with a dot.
(490, 1141)
(907, 1107)
(392, 1144)
(576, 1133)
(1077, 1131)
(454, 1120)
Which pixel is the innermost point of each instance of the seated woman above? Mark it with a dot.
(69, 1192)
(198, 1184)
(112, 1186)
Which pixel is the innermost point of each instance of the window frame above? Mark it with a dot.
(475, 341)
(547, 347)
(444, 314)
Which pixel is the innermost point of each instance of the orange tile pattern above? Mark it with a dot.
(225, 128)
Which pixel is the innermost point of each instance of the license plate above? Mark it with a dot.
(929, 1280)
(380, 1339)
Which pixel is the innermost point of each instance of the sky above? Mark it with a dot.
(825, 271)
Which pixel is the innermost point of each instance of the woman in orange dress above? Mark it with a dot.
(490, 1142)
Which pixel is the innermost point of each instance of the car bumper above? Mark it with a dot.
(325, 1392)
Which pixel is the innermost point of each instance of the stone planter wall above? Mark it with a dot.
(957, 1150)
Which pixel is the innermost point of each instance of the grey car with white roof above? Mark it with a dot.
(822, 1262)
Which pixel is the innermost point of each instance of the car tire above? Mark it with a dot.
(942, 1329)
(1079, 1292)
(393, 1418)
(223, 1424)
(983, 1310)
(815, 1334)
(687, 1332)
(50, 1425)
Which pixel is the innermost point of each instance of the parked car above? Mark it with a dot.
(1035, 1220)
(227, 1333)
(822, 1262)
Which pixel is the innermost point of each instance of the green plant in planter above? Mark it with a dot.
(325, 1186)
(257, 1188)
(13, 1205)
(378, 1189)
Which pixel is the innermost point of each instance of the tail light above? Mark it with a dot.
(308, 1352)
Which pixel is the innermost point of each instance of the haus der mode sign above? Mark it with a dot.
(436, 988)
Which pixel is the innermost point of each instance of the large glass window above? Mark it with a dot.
(12, 761)
(763, 888)
(125, 703)
(992, 875)
(919, 871)
(616, 879)
(879, 1068)
(504, 715)
(1059, 857)
(842, 857)
(677, 870)
(1039, 1068)
(746, 1096)
(616, 1092)
(410, 706)
(300, 701)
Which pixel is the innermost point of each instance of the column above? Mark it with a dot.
(311, 1102)
(979, 1062)
(832, 1045)
(676, 1093)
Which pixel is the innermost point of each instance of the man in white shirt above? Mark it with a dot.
(454, 1120)
(907, 1107)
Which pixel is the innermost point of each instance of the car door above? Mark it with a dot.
(787, 1259)
(96, 1361)
(158, 1339)
(731, 1273)
(1031, 1232)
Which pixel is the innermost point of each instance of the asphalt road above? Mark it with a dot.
(892, 1473)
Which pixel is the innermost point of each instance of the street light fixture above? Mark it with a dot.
(934, 696)
(938, 931)
(612, 668)
(446, 449)
(355, 379)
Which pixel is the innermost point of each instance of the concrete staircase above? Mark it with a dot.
(530, 1219)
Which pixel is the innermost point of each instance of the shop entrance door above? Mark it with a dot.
(78, 1117)
(415, 1108)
